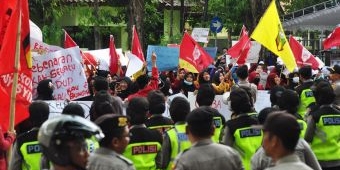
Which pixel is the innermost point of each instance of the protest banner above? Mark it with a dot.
(57, 106)
(35, 31)
(103, 56)
(167, 57)
(217, 104)
(262, 101)
(42, 48)
(200, 35)
(65, 70)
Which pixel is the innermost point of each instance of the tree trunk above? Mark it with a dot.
(97, 42)
(136, 18)
(257, 10)
(181, 27)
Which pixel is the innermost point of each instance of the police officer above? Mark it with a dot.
(145, 144)
(323, 126)
(289, 101)
(281, 135)
(238, 131)
(260, 160)
(204, 154)
(304, 90)
(63, 141)
(205, 97)
(157, 121)
(109, 155)
(175, 139)
(26, 150)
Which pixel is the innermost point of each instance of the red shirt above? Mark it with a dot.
(153, 85)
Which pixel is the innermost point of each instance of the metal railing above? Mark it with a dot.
(312, 9)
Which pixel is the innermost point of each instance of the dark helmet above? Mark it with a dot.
(56, 132)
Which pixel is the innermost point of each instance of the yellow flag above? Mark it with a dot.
(270, 34)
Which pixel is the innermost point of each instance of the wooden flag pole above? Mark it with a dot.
(16, 74)
(15, 80)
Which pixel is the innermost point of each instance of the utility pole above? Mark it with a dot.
(97, 42)
(171, 20)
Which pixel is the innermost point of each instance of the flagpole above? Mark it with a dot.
(15, 79)
(16, 74)
(133, 29)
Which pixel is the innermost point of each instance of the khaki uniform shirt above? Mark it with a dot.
(206, 155)
(107, 159)
(291, 162)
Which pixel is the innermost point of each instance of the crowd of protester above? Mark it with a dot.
(126, 128)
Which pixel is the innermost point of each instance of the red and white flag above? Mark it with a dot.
(136, 47)
(114, 57)
(241, 49)
(192, 56)
(333, 39)
(302, 55)
(11, 12)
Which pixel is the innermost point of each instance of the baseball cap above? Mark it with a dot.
(335, 69)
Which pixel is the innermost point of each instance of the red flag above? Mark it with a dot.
(68, 41)
(302, 55)
(87, 58)
(241, 48)
(192, 56)
(11, 12)
(136, 48)
(333, 39)
(114, 57)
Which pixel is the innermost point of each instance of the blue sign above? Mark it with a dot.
(167, 57)
(211, 51)
(216, 25)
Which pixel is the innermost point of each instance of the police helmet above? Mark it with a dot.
(56, 132)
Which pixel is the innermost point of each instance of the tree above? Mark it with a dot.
(136, 17)
(46, 15)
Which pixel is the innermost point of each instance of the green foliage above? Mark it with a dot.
(176, 39)
(47, 14)
(153, 23)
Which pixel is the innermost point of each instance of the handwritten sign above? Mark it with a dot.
(42, 48)
(200, 34)
(65, 70)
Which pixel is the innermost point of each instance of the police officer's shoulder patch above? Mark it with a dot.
(128, 161)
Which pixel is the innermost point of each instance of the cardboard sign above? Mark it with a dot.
(65, 70)
(200, 35)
